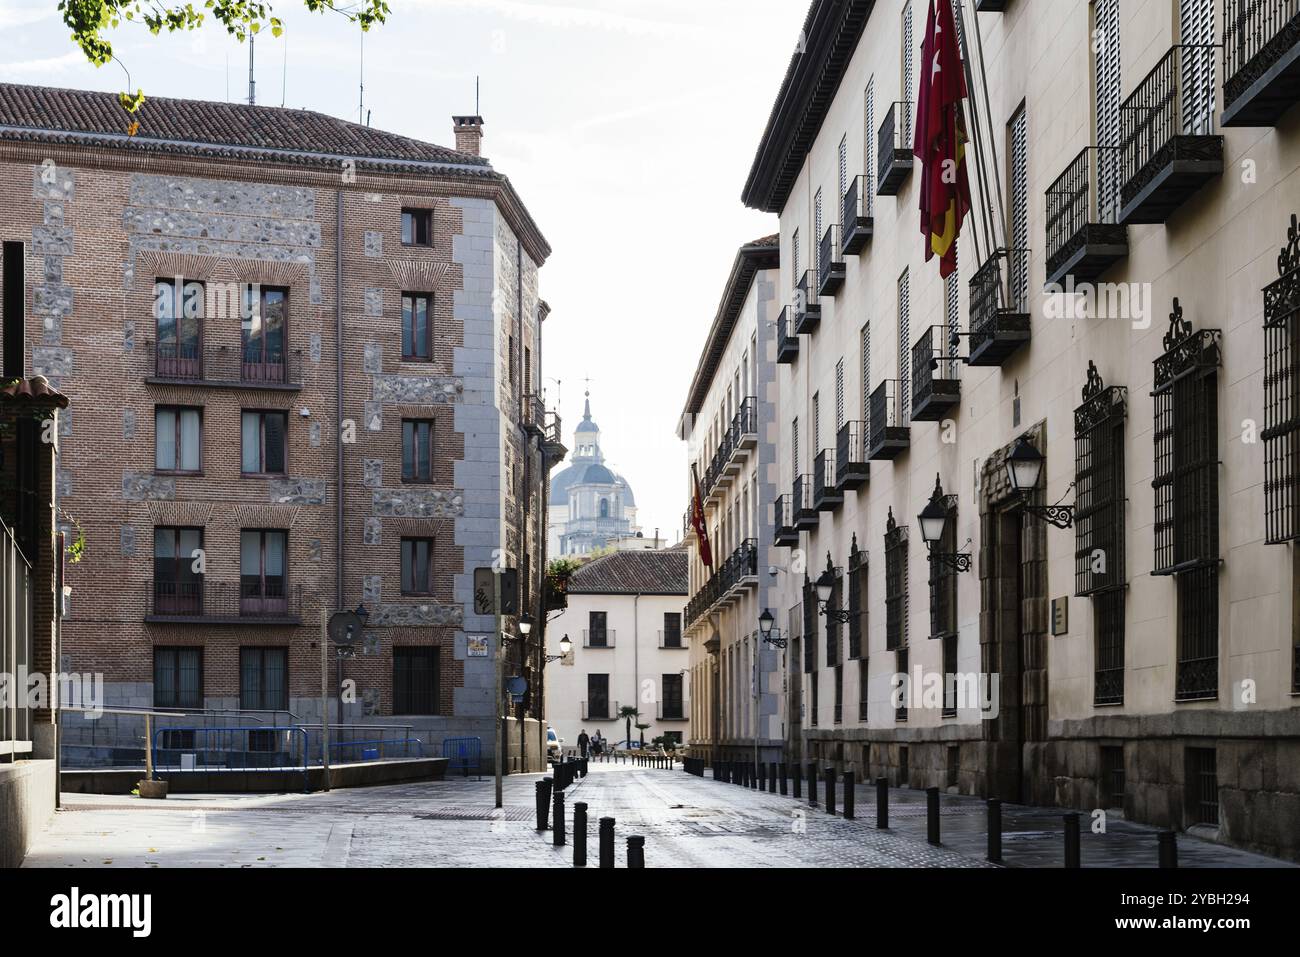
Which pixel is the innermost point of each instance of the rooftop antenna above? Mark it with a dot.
(252, 84)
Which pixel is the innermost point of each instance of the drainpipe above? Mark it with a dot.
(338, 398)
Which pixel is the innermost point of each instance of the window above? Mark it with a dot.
(817, 232)
(264, 679)
(417, 450)
(816, 423)
(178, 677)
(1282, 400)
(417, 227)
(417, 566)
(179, 311)
(1099, 560)
(1018, 153)
(1196, 31)
(672, 629)
(597, 704)
(904, 694)
(857, 588)
(1108, 84)
(864, 681)
(832, 625)
(177, 585)
(597, 634)
(264, 442)
(673, 702)
(794, 258)
(868, 151)
(263, 332)
(839, 396)
(813, 698)
(604, 508)
(794, 451)
(1202, 801)
(950, 676)
(907, 54)
(844, 167)
(415, 680)
(1112, 776)
(904, 349)
(178, 439)
(416, 309)
(810, 619)
(838, 716)
(263, 572)
(1186, 485)
(952, 306)
(866, 374)
(510, 371)
(895, 584)
(943, 577)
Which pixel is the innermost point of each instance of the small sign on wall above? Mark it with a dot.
(1060, 616)
(477, 646)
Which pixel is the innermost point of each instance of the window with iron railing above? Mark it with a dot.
(833, 625)
(949, 676)
(838, 716)
(943, 577)
(864, 681)
(415, 681)
(895, 584)
(810, 617)
(1099, 559)
(178, 677)
(1281, 433)
(857, 589)
(1186, 485)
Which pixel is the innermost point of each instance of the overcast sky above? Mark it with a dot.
(628, 127)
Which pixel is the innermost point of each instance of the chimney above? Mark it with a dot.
(469, 134)
(13, 301)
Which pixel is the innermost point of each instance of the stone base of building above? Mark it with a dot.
(27, 793)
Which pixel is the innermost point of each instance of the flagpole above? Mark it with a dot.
(976, 136)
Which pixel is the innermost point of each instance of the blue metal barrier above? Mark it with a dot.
(463, 754)
(233, 749)
(375, 750)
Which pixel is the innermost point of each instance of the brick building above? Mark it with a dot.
(302, 357)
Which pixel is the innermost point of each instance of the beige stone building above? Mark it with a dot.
(729, 427)
(1121, 314)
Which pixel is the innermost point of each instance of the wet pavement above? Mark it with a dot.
(686, 821)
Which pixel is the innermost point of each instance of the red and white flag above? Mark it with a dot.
(697, 522)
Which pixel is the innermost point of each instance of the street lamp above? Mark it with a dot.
(933, 521)
(525, 624)
(765, 623)
(1024, 469)
(565, 647)
(825, 587)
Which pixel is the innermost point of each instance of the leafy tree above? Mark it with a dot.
(89, 20)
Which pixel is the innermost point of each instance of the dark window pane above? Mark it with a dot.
(274, 426)
(415, 680)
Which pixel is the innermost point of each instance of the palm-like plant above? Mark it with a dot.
(627, 713)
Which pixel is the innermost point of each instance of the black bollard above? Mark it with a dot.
(753, 776)
(772, 777)
(1072, 840)
(812, 784)
(606, 842)
(784, 772)
(582, 768)
(580, 834)
(1168, 843)
(932, 815)
(995, 831)
(636, 851)
(882, 803)
(557, 831)
(762, 777)
(796, 775)
(830, 790)
(850, 786)
(543, 803)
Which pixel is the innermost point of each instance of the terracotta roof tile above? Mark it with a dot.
(35, 389)
(633, 573)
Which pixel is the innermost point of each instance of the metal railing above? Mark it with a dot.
(1001, 286)
(830, 260)
(894, 142)
(1256, 33)
(1175, 99)
(671, 639)
(935, 366)
(600, 710)
(856, 204)
(277, 748)
(597, 638)
(783, 518)
(886, 410)
(17, 630)
(807, 302)
(787, 340)
(223, 601)
(801, 499)
(231, 364)
(824, 478)
(1077, 199)
(850, 452)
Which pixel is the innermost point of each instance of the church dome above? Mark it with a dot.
(587, 466)
(597, 475)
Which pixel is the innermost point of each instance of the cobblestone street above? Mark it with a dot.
(687, 821)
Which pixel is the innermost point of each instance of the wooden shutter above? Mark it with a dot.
(1108, 77)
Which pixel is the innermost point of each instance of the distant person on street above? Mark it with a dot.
(583, 742)
(598, 744)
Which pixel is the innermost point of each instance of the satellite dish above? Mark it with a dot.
(345, 628)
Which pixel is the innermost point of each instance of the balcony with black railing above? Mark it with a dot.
(801, 504)
(807, 304)
(826, 492)
(744, 425)
(785, 533)
(1168, 149)
(858, 225)
(830, 263)
(1084, 237)
(888, 436)
(255, 601)
(220, 365)
(990, 6)
(737, 573)
(544, 426)
(894, 151)
(787, 343)
(1261, 60)
(999, 308)
(936, 385)
(852, 467)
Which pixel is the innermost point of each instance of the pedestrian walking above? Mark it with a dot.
(583, 742)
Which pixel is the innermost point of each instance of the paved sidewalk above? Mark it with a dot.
(687, 822)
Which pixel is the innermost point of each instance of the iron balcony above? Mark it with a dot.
(1167, 146)
(223, 366)
(787, 344)
(936, 388)
(999, 308)
(1084, 237)
(826, 493)
(1261, 61)
(852, 468)
(807, 304)
(830, 263)
(895, 149)
(201, 602)
(786, 535)
(801, 504)
(888, 436)
(858, 225)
